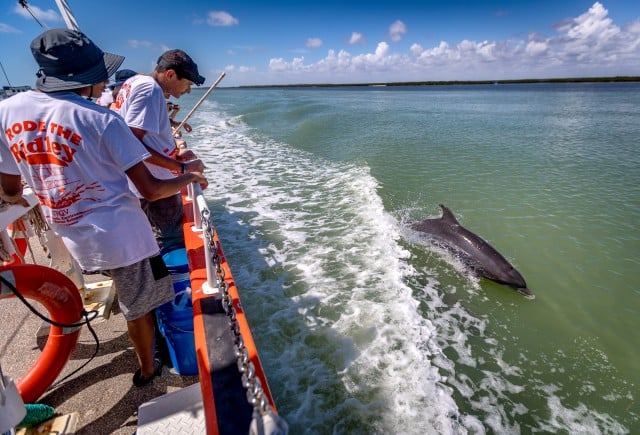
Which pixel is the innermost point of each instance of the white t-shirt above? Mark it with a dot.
(106, 98)
(142, 104)
(73, 154)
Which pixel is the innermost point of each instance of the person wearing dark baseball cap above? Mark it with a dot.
(182, 64)
(78, 158)
(142, 102)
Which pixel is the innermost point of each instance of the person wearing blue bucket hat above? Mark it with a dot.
(122, 76)
(78, 157)
(109, 95)
(68, 60)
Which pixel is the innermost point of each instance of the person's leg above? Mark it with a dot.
(141, 334)
(142, 287)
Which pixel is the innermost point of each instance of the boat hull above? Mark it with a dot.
(227, 409)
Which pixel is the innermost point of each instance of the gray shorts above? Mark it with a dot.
(142, 286)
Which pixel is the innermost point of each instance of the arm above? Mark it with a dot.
(186, 126)
(183, 153)
(152, 188)
(160, 159)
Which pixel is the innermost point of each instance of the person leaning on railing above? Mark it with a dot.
(142, 102)
(77, 157)
(173, 111)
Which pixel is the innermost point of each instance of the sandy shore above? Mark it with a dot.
(101, 392)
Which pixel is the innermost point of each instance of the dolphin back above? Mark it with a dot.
(435, 226)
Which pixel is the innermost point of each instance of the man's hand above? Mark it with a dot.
(184, 155)
(195, 166)
(200, 179)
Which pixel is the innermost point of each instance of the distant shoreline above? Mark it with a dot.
(451, 82)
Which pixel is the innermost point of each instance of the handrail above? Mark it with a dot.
(200, 209)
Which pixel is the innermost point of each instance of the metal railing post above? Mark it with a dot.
(200, 209)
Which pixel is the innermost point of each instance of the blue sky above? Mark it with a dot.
(292, 42)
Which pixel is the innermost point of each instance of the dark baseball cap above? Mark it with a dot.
(182, 64)
(68, 59)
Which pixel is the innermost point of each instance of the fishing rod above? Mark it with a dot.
(65, 11)
(24, 4)
(211, 88)
(5, 74)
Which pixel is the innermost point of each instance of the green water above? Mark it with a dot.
(314, 189)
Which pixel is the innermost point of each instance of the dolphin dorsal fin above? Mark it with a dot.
(448, 216)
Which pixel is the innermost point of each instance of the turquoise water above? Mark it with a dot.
(363, 326)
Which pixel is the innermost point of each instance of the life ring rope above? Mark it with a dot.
(61, 298)
(9, 289)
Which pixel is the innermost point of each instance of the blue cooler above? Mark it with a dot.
(176, 326)
(176, 261)
(175, 319)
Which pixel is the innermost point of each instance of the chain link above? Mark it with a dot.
(255, 394)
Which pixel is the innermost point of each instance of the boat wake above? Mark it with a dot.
(319, 261)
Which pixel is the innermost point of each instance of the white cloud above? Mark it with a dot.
(397, 30)
(536, 48)
(590, 31)
(279, 64)
(221, 19)
(588, 45)
(135, 43)
(356, 38)
(378, 57)
(239, 69)
(5, 28)
(50, 15)
(313, 43)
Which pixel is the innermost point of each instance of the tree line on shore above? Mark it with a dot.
(459, 82)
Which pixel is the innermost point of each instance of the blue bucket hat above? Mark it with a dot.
(122, 76)
(68, 59)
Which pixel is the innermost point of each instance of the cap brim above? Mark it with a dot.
(196, 79)
(97, 74)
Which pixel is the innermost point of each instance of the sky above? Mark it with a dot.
(262, 42)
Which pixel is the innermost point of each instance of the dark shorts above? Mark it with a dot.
(142, 286)
(165, 217)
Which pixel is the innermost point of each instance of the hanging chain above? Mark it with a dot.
(255, 394)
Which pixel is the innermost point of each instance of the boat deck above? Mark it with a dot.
(102, 393)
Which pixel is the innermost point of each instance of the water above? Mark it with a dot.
(362, 325)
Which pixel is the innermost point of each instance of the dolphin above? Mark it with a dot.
(473, 250)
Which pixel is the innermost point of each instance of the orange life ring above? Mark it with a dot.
(62, 300)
